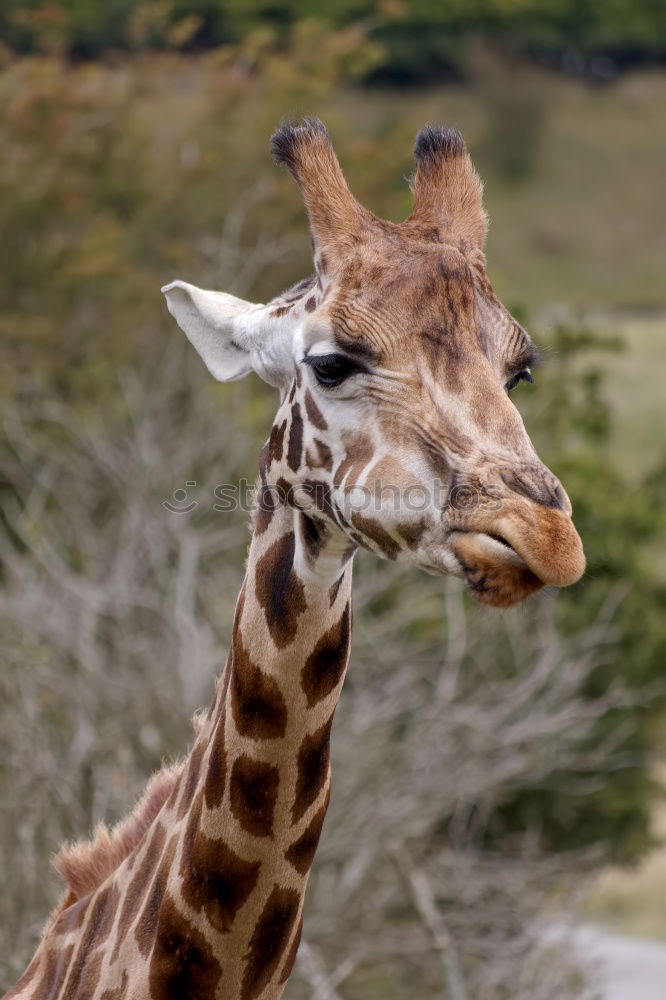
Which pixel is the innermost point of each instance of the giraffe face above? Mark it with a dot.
(395, 428)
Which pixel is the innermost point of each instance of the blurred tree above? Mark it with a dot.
(117, 178)
(420, 39)
(621, 521)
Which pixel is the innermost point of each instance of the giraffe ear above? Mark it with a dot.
(448, 192)
(210, 319)
(233, 337)
(335, 215)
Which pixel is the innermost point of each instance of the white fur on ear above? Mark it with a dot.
(234, 337)
(210, 320)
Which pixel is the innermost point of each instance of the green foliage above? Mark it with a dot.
(419, 39)
(571, 420)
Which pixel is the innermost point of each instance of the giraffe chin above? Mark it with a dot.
(494, 572)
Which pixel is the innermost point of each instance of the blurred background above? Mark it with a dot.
(497, 774)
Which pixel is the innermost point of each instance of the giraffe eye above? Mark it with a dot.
(332, 369)
(524, 375)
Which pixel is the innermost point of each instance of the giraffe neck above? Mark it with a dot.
(209, 904)
(256, 788)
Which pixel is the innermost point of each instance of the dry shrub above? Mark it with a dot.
(116, 613)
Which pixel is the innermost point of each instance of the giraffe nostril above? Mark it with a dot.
(536, 485)
(563, 501)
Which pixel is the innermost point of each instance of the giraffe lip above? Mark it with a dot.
(495, 546)
(501, 540)
(498, 546)
(492, 569)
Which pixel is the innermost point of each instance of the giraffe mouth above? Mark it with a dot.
(493, 570)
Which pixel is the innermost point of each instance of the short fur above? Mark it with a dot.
(448, 192)
(437, 140)
(336, 218)
(288, 138)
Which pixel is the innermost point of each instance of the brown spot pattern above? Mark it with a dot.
(314, 534)
(326, 663)
(257, 704)
(313, 764)
(53, 973)
(182, 966)
(372, 529)
(295, 446)
(281, 311)
(89, 980)
(293, 951)
(360, 540)
(216, 880)
(147, 924)
(102, 914)
(333, 592)
(319, 495)
(279, 591)
(314, 414)
(268, 501)
(324, 455)
(73, 916)
(412, 532)
(359, 454)
(284, 492)
(302, 851)
(136, 890)
(262, 518)
(216, 769)
(253, 790)
(191, 778)
(84, 973)
(321, 459)
(276, 441)
(269, 941)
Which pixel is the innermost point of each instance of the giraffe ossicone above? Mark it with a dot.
(394, 432)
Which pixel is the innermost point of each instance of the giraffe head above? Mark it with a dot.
(395, 429)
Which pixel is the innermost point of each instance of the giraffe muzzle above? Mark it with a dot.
(518, 553)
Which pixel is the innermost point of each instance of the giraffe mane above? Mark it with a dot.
(85, 864)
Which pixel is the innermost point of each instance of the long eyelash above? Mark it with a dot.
(311, 359)
(530, 358)
(333, 358)
(522, 375)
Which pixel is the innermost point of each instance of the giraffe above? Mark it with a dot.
(394, 433)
